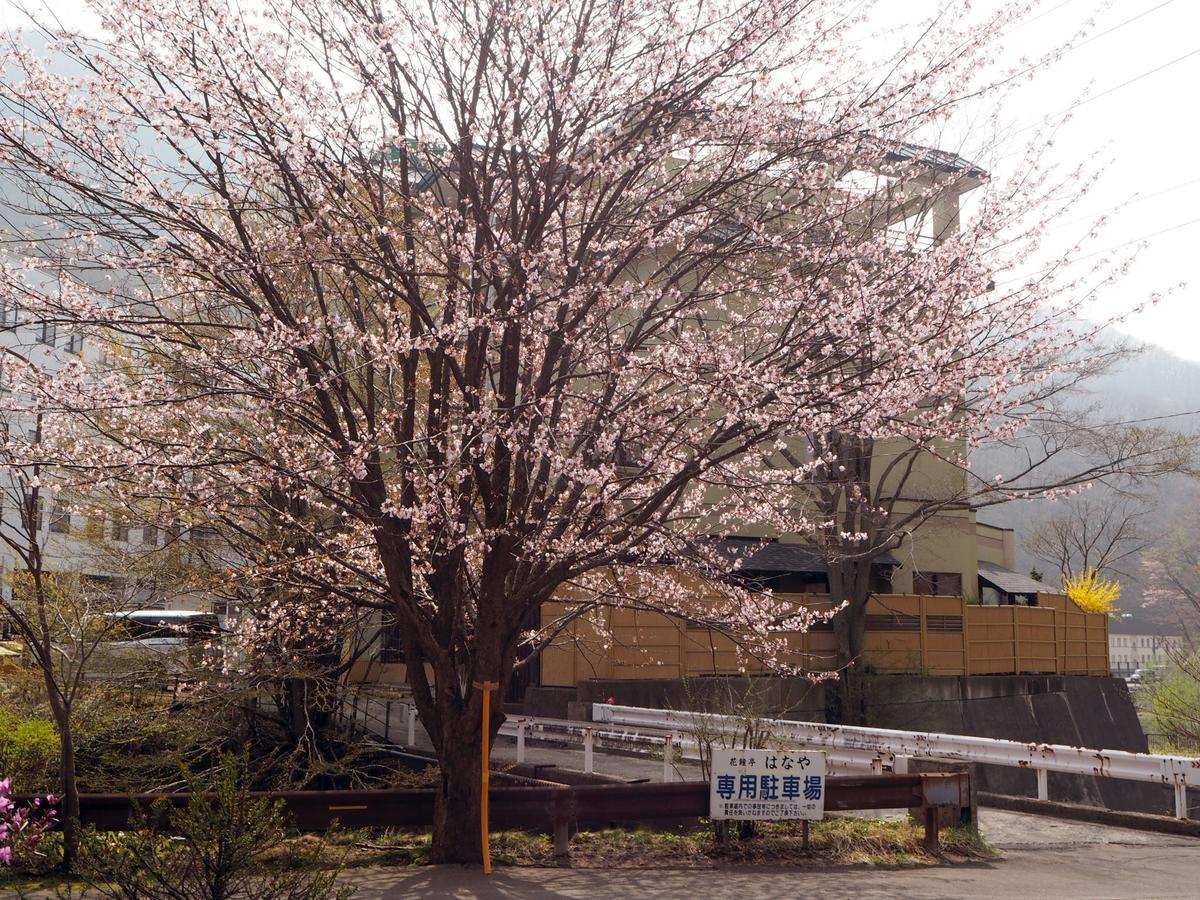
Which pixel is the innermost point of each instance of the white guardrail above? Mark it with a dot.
(897, 747)
(671, 734)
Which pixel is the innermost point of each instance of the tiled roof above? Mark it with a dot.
(759, 555)
(942, 160)
(1009, 581)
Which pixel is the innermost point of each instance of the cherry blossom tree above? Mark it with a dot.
(507, 300)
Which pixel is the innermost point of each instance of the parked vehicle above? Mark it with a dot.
(170, 639)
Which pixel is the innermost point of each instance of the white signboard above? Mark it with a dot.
(767, 784)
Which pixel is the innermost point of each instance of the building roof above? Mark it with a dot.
(1009, 581)
(942, 160)
(1127, 624)
(773, 556)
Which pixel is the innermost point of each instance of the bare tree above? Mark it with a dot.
(1107, 532)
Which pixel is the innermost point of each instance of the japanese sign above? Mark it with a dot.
(767, 784)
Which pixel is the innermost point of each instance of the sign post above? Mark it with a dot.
(758, 785)
(487, 687)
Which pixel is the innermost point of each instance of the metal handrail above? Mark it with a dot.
(1180, 772)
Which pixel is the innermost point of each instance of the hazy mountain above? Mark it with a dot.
(1153, 387)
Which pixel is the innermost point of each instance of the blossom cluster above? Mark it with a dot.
(23, 827)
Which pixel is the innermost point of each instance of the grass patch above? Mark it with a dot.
(840, 841)
(834, 842)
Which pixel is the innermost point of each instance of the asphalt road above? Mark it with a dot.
(1043, 858)
(1089, 871)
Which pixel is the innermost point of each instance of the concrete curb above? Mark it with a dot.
(1093, 814)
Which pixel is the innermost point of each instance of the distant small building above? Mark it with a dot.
(1135, 644)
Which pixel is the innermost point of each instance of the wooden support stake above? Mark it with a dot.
(487, 687)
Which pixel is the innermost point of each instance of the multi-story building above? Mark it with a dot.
(116, 555)
(1138, 645)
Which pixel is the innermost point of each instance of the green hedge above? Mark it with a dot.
(28, 752)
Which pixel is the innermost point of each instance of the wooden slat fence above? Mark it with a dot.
(905, 633)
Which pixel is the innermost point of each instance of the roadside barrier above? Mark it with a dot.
(889, 749)
(558, 809)
(672, 735)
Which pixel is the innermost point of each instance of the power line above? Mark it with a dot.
(1124, 84)
(1074, 259)
(1136, 197)
(1119, 25)
(1040, 15)
(1058, 56)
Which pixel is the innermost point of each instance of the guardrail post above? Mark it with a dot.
(900, 765)
(668, 767)
(1043, 784)
(588, 743)
(562, 847)
(412, 726)
(932, 818)
(1181, 801)
(520, 740)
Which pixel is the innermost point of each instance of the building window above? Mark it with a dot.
(945, 584)
(204, 536)
(150, 536)
(94, 528)
(392, 650)
(48, 333)
(120, 530)
(60, 518)
(75, 344)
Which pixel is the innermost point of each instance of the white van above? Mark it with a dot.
(159, 638)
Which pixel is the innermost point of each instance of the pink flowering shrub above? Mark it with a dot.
(23, 826)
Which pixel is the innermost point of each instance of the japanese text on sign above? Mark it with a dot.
(767, 784)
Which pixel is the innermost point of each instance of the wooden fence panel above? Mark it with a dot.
(905, 633)
(989, 637)
(1036, 639)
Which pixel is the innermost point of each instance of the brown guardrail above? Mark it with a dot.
(557, 810)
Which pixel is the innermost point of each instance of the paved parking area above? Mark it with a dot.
(1087, 871)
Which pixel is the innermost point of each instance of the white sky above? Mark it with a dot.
(1147, 133)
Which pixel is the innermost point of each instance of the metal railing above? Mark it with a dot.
(892, 749)
(395, 720)
(670, 735)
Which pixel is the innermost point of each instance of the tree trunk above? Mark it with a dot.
(456, 809)
(68, 807)
(849, 581)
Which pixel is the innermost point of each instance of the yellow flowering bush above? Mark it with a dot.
(1091, 593)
